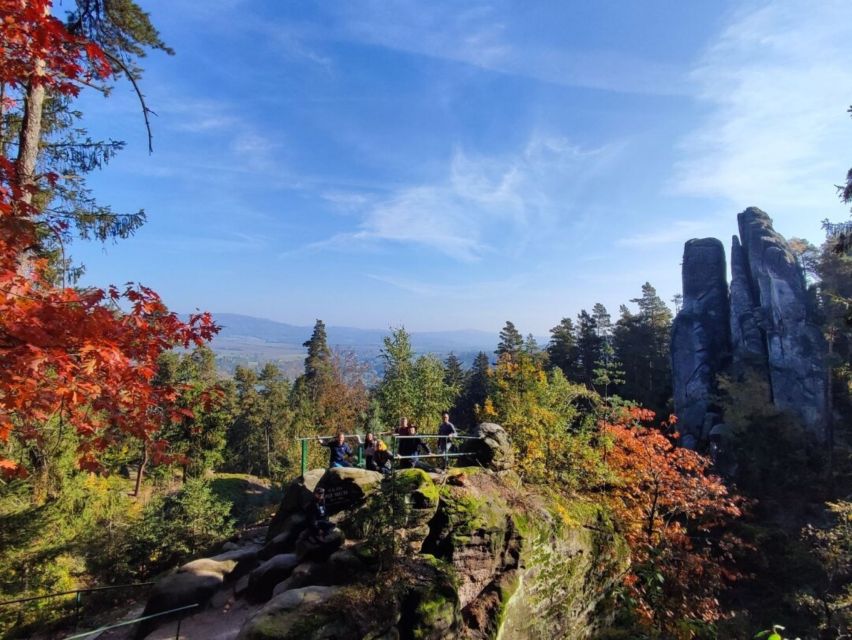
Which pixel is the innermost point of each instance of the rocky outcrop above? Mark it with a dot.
(470, 553)
(492, 449)
(345, 488)
(793, 344)
(700, 337)
(760, 327)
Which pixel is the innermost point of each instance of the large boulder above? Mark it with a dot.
(285, 541)
(700, 336)
(298, 614)
(492, 448)
(407, 503)
(297, 496)
(305, 575)
(178, 590)
(418, 499)
(231, 564)
(344, 566)
(474, 532)
(345, 488)
(524, 567)
(571, 562)
(263, 580)
(203, 566)
(239, 554)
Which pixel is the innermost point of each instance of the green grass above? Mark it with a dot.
(252, 498)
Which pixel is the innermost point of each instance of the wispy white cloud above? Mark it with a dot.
(778, 81)
(346, 201)
(479, 35)
(255, 150)
(293, 44)
(673, 233)
(204, 123)
(484, 203)
(235, 243)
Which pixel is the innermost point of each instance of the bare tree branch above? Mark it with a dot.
(145, 109)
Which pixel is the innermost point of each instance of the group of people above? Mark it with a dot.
(377, 457)
(376, 454)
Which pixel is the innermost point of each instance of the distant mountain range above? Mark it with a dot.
(249, 341)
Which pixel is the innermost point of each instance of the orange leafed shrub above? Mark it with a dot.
(674, 513)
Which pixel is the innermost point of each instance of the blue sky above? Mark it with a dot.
(449, 165)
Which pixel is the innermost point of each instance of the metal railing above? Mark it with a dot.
(134, 621)
(78, 596)
(446, 455)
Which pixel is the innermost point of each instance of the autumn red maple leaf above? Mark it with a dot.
(86, 357)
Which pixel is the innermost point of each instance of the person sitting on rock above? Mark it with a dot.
(382, 457)
(370, 444)
(338, 451)
(318, 524)
(408, 449)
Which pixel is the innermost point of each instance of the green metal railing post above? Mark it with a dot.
(77, 609)
(304, 457)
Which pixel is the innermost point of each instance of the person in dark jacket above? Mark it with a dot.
(447, 429)
(370, 446)
(411, 446)
(318, 524)
(338, 450)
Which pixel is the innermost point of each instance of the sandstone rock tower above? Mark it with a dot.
(761, 324)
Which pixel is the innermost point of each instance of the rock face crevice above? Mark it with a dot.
(760, 326)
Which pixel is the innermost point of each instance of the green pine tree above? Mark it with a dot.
(474, 394)
(588, 348)
(511, 341)
(396, 390)
(562, 348)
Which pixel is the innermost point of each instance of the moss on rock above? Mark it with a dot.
(299, 614)
(419, 485)
(573, 557)
(430, 606)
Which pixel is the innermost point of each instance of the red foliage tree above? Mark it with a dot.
(674, 513)
(83, 357)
